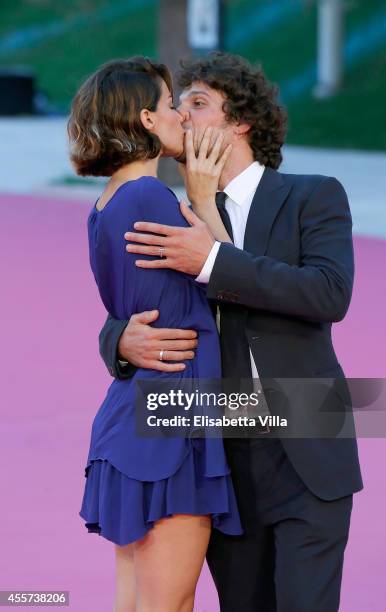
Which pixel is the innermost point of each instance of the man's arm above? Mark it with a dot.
(140, 345)
(109, 337)
(320, 288)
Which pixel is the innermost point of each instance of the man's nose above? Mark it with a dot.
(185, 116)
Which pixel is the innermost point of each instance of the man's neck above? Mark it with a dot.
(236, 164)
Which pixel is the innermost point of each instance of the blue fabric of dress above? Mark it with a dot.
(132, 481)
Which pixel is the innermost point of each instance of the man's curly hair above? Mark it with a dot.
(250, 98)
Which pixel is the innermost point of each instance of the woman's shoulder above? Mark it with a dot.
(153, 183)
(159, 203)
(148, 189)
(144, 199)
(132, 191)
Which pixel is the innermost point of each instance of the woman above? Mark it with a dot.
(155, 498)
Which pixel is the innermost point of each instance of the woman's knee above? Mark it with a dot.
(168, 562)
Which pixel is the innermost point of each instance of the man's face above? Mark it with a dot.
(201, 107)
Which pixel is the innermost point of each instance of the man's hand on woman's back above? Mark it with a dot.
(141, 344)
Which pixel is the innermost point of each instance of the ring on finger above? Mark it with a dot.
(161, 252)
(161, 355)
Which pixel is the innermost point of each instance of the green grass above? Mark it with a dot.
(354, 118)
(61, 63)
(283, 50)
(75, 180)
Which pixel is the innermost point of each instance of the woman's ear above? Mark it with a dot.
(147, 119)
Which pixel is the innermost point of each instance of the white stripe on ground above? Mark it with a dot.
(34, 158)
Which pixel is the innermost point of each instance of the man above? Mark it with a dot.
(286, 278)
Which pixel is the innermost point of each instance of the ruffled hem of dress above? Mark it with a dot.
(123, 509)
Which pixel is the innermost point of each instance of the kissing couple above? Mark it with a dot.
(264, 256)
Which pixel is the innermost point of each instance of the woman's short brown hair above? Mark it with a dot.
(104, 127)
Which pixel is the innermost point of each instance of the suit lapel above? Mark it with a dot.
(267, 201)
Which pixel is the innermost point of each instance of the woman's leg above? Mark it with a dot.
(125, 579)
(168, 562)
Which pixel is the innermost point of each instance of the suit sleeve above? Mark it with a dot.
(320, 288)
(108, 347)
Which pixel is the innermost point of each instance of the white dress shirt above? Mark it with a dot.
(239, 192)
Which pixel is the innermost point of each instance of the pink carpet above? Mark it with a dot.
(53, 381)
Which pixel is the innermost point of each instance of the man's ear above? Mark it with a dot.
(241, 129)
(147, 119)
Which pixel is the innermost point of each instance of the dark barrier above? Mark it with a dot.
(17, 90)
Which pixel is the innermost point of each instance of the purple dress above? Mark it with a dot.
(132, 481)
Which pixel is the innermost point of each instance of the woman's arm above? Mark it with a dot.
(208, 213)
(201, 176)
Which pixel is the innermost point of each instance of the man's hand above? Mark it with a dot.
(185, 248)
(140, 344)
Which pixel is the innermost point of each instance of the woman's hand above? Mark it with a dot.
(203, 170)
(201, 175)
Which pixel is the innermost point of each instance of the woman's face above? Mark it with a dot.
(167, 125)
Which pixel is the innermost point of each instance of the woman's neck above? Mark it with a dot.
(135, 170)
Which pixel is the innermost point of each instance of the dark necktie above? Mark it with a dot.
(220, 203)
(236, 361)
